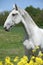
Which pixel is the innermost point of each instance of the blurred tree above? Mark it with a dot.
(3, 16)
(36, 14)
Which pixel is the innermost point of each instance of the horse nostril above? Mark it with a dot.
(6, 29)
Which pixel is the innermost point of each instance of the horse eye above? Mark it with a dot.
(14, 14)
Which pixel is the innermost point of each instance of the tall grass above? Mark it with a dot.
(11, 42)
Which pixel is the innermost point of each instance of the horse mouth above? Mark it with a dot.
(6, 29)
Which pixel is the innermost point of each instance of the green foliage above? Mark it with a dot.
(36, 14)
(3, 16)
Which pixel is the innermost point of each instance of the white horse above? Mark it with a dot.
(35, 33)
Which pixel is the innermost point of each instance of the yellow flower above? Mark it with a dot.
(25, 58)
(23, 61)
(16, 59)
(33, 57)
(42, 61)
(11, 63)
(31, 62)
(27, 64)
(20, 63)
(37, 47)
(38, 60)
(35, 63)
(7, 59)
(33, 50)
(1, 63)
(40, 54)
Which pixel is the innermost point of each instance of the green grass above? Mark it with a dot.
(11, 42)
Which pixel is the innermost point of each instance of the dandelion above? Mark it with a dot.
(37, 47)
(33, 51)
(20, 63)
(11, 63)
(33, 57)
(40, 54)
(7, 59)
(1, 63)
(31, 62)
(35, 60)
(38, 60)
(25, 58)
(23, 61)
(16, 59)
(27, 64)
(35, 63)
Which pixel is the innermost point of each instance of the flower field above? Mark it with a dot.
(34, 60)
(23, 61)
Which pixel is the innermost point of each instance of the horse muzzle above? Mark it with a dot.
(6, 29)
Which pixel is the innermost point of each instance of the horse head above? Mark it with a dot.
(13, 18)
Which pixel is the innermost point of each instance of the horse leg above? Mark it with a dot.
(27, 49)
(28, 52)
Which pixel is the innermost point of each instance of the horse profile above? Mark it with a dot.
(35, 34)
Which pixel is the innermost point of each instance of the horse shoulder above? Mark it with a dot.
(41, 30)
(37, 36)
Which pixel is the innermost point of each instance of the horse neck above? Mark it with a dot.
(28, 23)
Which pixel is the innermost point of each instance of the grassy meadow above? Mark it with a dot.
(11, 42)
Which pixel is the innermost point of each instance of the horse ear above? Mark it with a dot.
(16, 7)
